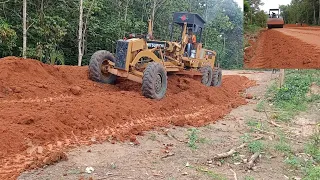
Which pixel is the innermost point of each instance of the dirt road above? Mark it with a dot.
(290, 47)
(45, 110)
(185, 153)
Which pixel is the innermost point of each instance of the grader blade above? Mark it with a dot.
(189, 73)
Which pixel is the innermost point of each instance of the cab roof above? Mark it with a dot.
(192, 19)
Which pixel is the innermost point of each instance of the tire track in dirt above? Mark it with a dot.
(280, 49)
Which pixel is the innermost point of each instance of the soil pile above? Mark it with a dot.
(276, 50)
(45, 109)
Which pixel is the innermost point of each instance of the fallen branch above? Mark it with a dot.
(174, 137)
(252, 160)
(274, 134)
(167, 155)
(234, 174)
(233, 150)
(274, 123)
(269, 120)
(269, 111)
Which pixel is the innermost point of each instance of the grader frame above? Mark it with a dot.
(147, 61)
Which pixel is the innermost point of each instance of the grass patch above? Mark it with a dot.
(312, 173)
(248, 178)
(246, 138)
(282, 145)
(313, 147)
(261, 106)
(252, 29)
(256, 146)
(293, 161)
(291, 98)
(308, 165)
(153, 137)
(236, 157)
(193, 138)
(255, 124)
(211, 174)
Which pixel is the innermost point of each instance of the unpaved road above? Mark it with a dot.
(45, 110)
(163, 154)
(291, 47)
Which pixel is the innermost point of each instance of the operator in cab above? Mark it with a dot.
(192, 39)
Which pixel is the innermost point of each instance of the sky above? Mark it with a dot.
(240, 3)
(273, 4)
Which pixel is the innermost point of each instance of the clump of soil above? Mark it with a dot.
(57, 107)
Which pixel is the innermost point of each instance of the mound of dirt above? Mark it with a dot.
(57, 107)
(276, 50)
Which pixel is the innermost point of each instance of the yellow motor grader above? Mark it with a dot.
(147, 61)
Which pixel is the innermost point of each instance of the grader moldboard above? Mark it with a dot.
(147, 61)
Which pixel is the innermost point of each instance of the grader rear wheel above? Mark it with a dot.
(98, 67)
(154, 81)
(207, 74)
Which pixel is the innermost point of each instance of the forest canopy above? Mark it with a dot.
(53, 26)
(302, 11)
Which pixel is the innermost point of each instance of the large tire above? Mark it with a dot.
(217, 77)
(95, 71)
(154, 81)
(207, 74)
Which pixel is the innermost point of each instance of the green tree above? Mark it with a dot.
(53, 26)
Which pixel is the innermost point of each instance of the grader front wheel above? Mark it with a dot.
(154, 81)
(98, 67)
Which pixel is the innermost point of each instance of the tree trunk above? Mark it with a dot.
(84, 34)
(126, 13)
(314, 13)
(125, 17)
(319, 14)
(24, 49)
(119, 16)
(80, 39)
(153, 13)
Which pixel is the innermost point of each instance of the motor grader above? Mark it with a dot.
(142, 59)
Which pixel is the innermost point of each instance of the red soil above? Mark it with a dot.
(45, 109)
(284, 49)
(294, 25)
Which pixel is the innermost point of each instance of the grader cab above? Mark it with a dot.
(142, 59)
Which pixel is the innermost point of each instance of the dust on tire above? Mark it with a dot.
(96, 62)
(207, 74)
(154, 81)
(217, 77)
